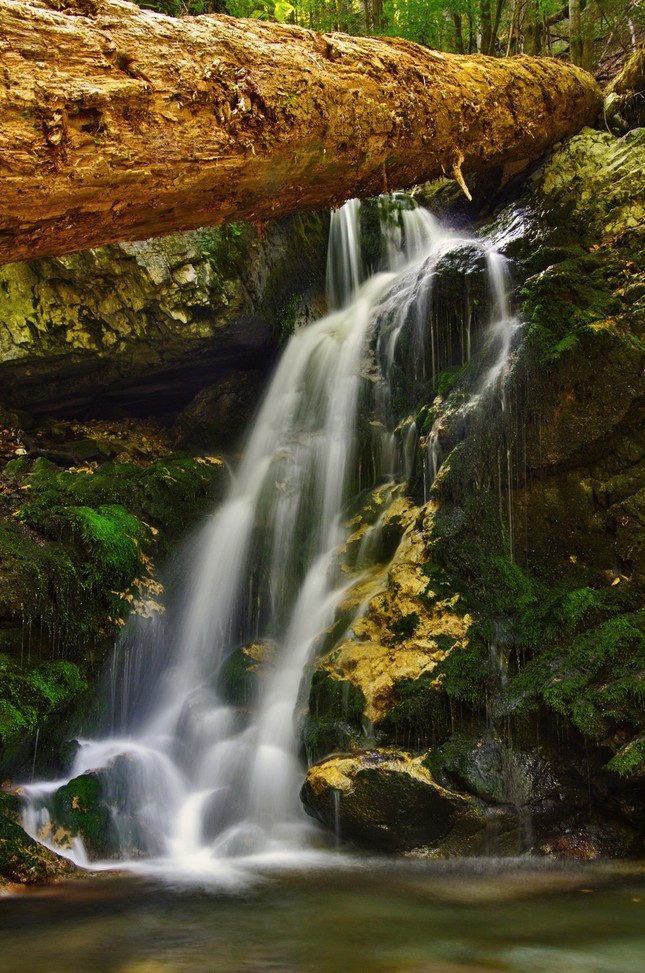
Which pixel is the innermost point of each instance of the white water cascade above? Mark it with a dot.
(201, 785)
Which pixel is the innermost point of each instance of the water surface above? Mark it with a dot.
(370, 916)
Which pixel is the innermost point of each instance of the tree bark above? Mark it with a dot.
(632, 76)
(118, 123)
(575, 31)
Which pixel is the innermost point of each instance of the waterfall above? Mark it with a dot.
(194, 780)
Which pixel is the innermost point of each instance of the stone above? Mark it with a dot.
(143, 326)
(389, 801)
(24, 861)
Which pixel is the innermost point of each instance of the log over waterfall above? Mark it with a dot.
(118, 123)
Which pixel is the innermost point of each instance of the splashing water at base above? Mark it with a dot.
(196, 784)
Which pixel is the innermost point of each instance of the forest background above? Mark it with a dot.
(591, 33)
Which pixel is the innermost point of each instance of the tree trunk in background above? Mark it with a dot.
(459, 36)
(486, 26)
(575, 32)
(588, 19)
(117, 123)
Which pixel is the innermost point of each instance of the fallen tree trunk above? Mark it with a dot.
(118, 123)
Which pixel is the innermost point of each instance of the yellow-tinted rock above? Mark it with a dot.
(398, 634)
(390, 800)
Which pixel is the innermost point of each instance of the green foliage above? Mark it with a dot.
(179, 8)
(461, 26)
(578, 651)
(225, 247)
(465, 672)
(278, 10)
(629, 759)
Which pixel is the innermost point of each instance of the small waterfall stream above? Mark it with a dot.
(196, 783)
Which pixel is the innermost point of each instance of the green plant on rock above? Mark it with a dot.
(111, 539)
(561, 301)
(31, 694)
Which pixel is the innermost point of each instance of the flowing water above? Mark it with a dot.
(198, 784)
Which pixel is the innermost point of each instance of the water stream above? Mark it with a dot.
(199, 785)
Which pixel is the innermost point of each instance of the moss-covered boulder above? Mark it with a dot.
(240, 677)
(490, 769)
(79, 810)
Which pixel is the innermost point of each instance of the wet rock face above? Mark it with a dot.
(139, 328)
(506, 641)
(219, 412)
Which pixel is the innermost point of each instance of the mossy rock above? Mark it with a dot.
(32, 695)
(384, 800)
(490, 769)
(335, 721)
(78, 540)
(418, 715)
(24, 861)
(79, 808)
(240, 675)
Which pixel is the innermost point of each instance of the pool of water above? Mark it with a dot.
(366, 916)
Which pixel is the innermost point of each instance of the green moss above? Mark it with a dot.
(75, 548)
(324, 735)
(79, 808)
(335, 719)
(111, 539)
(31, 695)
(630, 759)
(417, 716)
(238, 678)
(404, 628)
(562, 300)
(466, 671)
(227, 246)
(79, 538)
